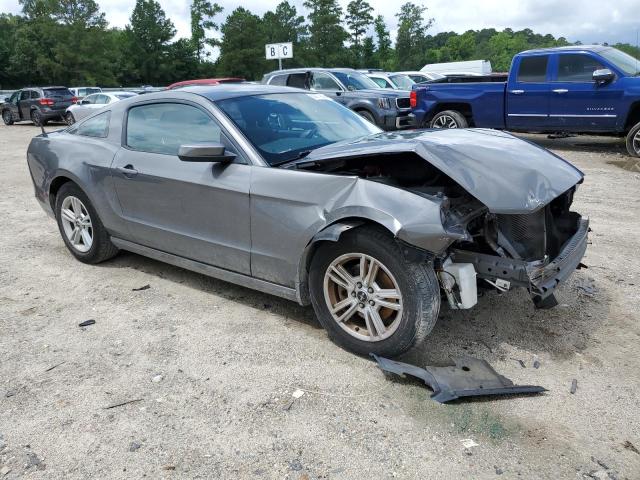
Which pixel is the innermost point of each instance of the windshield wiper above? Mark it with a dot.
(299, 156)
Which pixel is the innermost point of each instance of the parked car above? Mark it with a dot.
(290, 193)
(421, 77)
(81, 92)
(37, 104)
(390, 110)
(394, 81)
(94, 102)
(205, 81)
(577, 89)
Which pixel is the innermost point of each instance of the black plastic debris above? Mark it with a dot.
(86, 323)
(139, 289)
(574, 386)
(469, 377)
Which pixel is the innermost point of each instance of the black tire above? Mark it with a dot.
(36, 118)
(449, 119)
(417, 283)
(69, 118)
(633, 141)
(367, 116)
(101, 249)
(7, 118)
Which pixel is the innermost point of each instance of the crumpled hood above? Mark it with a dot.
(505, 173)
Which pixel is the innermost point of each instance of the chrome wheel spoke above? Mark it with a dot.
(368, 270)
(375, 325)
(68, 215)
(340, 276)
(342, 304)
(76, 235)
(347, 314)
(86, 237)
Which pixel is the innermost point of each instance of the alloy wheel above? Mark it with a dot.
(76, 224)
(445, 121)
(6, 117)
(636, 143)
(363, 297)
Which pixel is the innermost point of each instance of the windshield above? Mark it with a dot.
(285, 126)
(355, 80)
(403, 82)
(57, 92)
(624, 61)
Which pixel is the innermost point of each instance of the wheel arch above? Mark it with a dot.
(56, 184)
(633, 116)
(463, 108)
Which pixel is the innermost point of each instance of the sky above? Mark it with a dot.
(590, 21)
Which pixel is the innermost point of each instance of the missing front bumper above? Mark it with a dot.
(541, 278)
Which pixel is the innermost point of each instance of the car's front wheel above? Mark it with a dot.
(367, 116)
(369, 297)
(80, 227)
(7, 118)
(633, 141)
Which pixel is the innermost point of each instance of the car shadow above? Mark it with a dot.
(578, 143)
(499, 327)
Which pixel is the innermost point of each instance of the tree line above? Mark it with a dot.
(69, 42)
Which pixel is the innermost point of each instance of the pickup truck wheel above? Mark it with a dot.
(368, 297)
(80, 227)
(7, 118)
(449, 119)
(633, 141)
(367, 116)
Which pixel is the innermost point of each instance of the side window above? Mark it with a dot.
(91, 99)
(163, 127)
(102, 99)
(35, 94)
(14, 97)
(97, 126)
(25, 95)
(280, 80)
(82, 92)
(381, 82)
(322, 81)
(533, 69)
(296, 80)
(576, 68)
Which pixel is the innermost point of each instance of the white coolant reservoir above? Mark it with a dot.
(464, 292)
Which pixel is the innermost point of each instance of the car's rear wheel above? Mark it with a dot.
(37, 118)
(633, 141)
(367, 116)
(69, 118)
(7, 118)
(80, 227)
(449, 119)
(368, 297)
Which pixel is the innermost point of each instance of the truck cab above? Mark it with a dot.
(578, 89)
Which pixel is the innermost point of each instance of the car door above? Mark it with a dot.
(197, 210)
(87, 106)
(527, 95)
(12, 103)
(578, 103)
(24, 104)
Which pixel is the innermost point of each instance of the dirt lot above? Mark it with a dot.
(212, 366)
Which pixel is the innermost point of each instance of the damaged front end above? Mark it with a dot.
(537, 250)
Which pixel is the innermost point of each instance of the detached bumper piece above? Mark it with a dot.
(469, 377)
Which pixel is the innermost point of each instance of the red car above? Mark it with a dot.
(205, 81)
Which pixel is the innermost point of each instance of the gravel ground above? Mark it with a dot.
(210, 368)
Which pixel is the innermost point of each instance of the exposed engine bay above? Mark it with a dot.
(526, 250)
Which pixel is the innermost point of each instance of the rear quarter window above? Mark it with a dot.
(533, 69)
(97, 127)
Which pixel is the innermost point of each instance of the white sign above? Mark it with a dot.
(275, 51)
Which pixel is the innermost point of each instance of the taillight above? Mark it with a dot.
(413, 99)
(46, 101)
(74, 99)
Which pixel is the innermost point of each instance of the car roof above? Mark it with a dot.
(206, 81)
(569, 48)
(226, 90)
(312, 69)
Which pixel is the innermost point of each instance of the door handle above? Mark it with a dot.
(127, 171)
(560, 90)
(516, 92)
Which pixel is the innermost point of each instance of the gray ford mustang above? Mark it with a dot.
(290, 193)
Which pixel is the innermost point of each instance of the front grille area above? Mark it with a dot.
(403, 103)
(523, 236)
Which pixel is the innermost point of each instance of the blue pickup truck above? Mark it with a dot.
(578, 89)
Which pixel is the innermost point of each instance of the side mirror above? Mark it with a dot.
(603, 75)
(205, 152)
(6, 99)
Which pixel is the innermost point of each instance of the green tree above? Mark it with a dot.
(327, 36)
(358, 19)
(148, 36)
(202, 13)
(9, 25)
(242, 55)
(284, 24)
(410, 41)
(384, 53)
